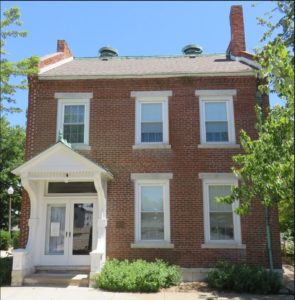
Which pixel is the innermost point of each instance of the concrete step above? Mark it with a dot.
(62, 269)
(60, 279)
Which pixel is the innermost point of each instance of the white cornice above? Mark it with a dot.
(163, 75)
(54, 65)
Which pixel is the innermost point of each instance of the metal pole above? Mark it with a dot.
(9, 217)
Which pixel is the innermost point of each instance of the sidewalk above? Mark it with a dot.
(75, 293)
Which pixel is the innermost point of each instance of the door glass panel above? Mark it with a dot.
(82, 228)
(55, 229)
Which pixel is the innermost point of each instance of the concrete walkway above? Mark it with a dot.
(78, 293)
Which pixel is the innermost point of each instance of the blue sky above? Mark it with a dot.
(132, 27)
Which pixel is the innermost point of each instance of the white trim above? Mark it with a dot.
(73, 95)
(151, 97)
(246, 60)
(150, 94)
(60, 117)
(217, 176)
(162, 75)
(89, 166)
(232, 92)
(148, 181)
(222, 246)
(151, 176)
(146, 245)
(220, 179)
(54, 65)
(228, 100)
(219, 146)
(151, 146)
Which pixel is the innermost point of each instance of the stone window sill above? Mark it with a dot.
(81, 147)
(162, 245)
(222, 246)
(151, 146)
(219, 146)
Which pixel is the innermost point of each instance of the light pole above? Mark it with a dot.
(10, 192)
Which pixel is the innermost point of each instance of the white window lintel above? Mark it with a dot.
(73, 95)
(151, 94)
(151, 176)
(231, 92)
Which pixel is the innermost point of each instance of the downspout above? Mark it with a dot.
(268, 239)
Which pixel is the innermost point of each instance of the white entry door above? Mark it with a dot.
(68, 232)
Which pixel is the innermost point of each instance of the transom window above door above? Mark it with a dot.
(73, 118)
(151, 119)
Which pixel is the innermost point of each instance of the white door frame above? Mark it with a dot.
(67, 258)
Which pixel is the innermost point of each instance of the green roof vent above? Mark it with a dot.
(192, 49)
(108, 52)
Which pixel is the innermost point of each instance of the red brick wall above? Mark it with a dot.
(112, 122)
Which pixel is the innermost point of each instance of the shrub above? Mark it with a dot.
(137, 276)
(243, 278)
(4, 240)
(15, 239)
(5, 270)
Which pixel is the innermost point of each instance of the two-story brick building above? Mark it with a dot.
(151, 141)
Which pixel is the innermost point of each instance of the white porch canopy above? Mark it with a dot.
(59, 163)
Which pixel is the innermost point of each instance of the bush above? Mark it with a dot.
(137, 276)
(243, 278)
(4, 240)
(15, 239)
(5, 270)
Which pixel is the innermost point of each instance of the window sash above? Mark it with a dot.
(156, 230)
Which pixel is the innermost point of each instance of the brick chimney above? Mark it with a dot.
(237, 42)
(62, 52)
(62, 46)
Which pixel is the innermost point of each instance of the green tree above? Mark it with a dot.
(11, 70)
(266, 168)
(12, 154)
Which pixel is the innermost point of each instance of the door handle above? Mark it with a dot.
(69, 234)
(66, 233)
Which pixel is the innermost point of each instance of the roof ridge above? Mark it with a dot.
(146, 56)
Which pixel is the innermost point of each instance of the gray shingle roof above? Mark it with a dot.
(147, 66)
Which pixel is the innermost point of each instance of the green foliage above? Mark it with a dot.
(5, 270)
(12, 147)
(137, 276)
(4, 240)
(15, 239)
(9, 21)
(266, 169)
(243, 278)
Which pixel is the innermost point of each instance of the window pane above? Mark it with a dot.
(71, 187)
(82, 228)
(74, 133)
(221, 226)
(74, 114)
(152, 198)
(216, 132)
(151, 132)
(152, 226)
(215, 111)
(151, 112)
(219, 191)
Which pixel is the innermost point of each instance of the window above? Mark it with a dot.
(73, 118)
(152, 210)
(222, 224)
(151, 121)
(71, 187)
(217, 117)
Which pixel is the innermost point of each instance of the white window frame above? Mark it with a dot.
(220, 179)
(220, 96)
(161, 97)
(62, 102)
(152, 179)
